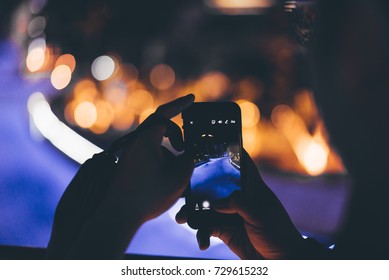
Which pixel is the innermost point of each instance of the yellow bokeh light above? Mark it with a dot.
(250, 113)
(139, 101)
(85, 114)
(61, 76)
(162, 76)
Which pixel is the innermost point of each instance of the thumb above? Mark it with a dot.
(229, 205)
(236, 203)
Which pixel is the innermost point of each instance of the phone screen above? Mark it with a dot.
(213, 135)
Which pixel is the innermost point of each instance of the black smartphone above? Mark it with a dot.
(213, 136)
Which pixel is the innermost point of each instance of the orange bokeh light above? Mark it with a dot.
(213, 85)
(68, 60)
(162, 76)
(85, 114)
(139, 101)
(250, 113)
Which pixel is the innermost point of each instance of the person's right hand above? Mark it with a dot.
(266, 231)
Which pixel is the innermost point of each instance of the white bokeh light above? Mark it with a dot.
(103, 67)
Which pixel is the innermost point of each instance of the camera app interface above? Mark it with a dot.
(215, 144)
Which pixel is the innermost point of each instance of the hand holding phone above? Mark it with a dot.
(212, 133)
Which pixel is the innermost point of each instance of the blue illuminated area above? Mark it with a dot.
(34, 173)
(215, 179)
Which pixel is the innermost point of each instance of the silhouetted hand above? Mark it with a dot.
(266, 231)
(97, 220)
(149, 178)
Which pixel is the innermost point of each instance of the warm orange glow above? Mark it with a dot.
(282, 116)
(305, 105)
(85, 114)
(162, 76)
(313, 156)
(236, 7)
(250, 88)
(39, 56)
(115, 94)
(139, 101)
(69, 111)
(105, 115)
(252, 140)
(212, 85)
(124, 118)
(35, 59)
(130, 74)
(85, 90)
(68, 60)
(311, 151)
(146, 113)
(61, 76)
(242, 4)
(250, 113)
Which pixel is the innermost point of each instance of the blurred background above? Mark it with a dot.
(75, 75)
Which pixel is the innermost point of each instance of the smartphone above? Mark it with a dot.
(213, 136)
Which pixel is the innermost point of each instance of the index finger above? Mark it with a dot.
(156, 125)
(173, 108)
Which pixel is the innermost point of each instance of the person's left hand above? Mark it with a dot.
(147, 180)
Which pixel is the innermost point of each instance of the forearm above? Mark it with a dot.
(108, 233)
(104, 237)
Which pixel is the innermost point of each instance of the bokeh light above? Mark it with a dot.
(213, 85)
(36, 26)
(250, 113)
(85, 90)
(123, 119)
(37, 43)
(314, 158)
(105, 115)
(139, 101)
(103, 67)
(115, 94)
(162, 76)
(85, 114)
(35, 59)
(252, 140)
(61, 76)
(282, 116)
(68, 60)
